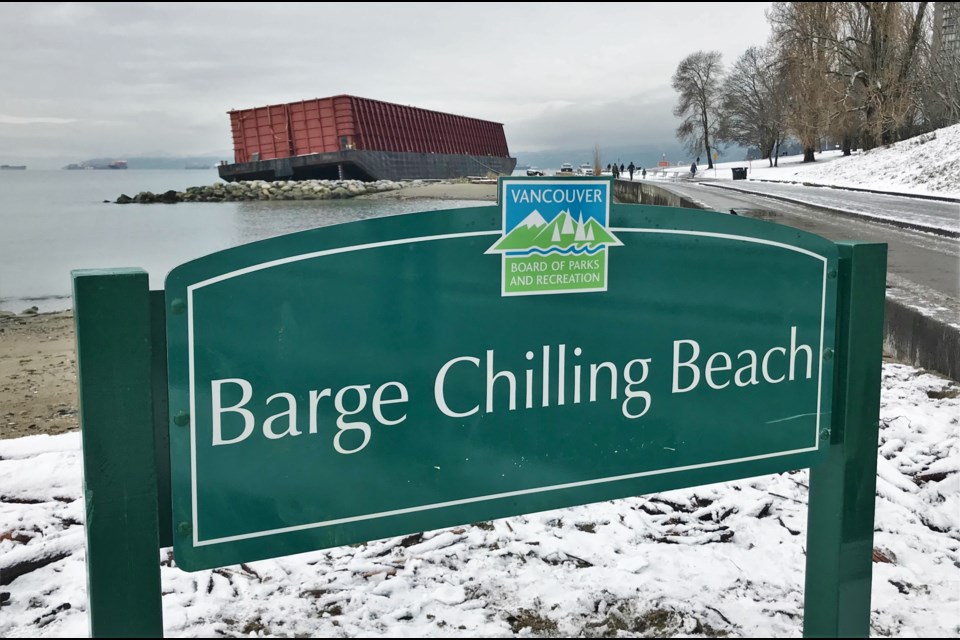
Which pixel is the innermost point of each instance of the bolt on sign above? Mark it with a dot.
(413, 372)
(446, 389)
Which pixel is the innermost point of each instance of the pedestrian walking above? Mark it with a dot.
(631, 168)
(693, 169)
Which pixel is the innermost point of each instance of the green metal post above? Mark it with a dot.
(161, 413)
(112, 315)
(843, 489)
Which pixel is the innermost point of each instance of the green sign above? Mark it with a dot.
(386, 376)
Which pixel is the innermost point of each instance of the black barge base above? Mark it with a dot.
(368, 165)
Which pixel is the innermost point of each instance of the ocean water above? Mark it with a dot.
(55, 221)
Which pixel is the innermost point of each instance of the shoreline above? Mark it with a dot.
(431, 196)
(296, 190)
(38, 378)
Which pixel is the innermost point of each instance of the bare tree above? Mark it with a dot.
(853, 66)
(801, 31)
(597, 167)
(752, 102)
(876, 48)
(697, 80)
(938, 78)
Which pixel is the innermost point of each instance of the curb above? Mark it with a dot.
(919, 196)
(913, 226)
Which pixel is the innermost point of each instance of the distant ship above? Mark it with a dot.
(116, 164)
(12, 167)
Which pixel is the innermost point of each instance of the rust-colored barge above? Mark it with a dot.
(346, 137)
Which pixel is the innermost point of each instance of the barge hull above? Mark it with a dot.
(368, 165)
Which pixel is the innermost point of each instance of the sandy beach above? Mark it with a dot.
(38, 378)
(442, 191)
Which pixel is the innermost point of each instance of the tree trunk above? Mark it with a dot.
(767, 154)
(869, 137)
(915, 33)
(846, 142)
(808, 154)
(776, 154)
(705, 121)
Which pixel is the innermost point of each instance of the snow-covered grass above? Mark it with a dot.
(928, 164)
(719, 559)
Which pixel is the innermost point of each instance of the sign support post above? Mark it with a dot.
(843, 489)
(112, 316)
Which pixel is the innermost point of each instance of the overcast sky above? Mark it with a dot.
(79, 80)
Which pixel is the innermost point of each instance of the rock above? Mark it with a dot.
(32, 311)
(169, 197)
(263, 190)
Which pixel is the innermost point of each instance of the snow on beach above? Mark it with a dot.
(708, 560)
(927, 164)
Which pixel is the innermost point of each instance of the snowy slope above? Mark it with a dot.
(928, 164)
(716, 559)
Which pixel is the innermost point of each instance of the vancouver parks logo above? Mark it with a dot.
(555, 236)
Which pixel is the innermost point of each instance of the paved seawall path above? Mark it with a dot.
(922, 310)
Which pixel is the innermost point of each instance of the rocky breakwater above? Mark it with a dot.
(261, 190)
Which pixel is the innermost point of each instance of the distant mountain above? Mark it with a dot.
(155, 162)
(562, 233)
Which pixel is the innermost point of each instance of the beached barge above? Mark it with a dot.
(346, 137)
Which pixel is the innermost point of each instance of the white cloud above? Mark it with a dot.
(168, 72)
(8, 119)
